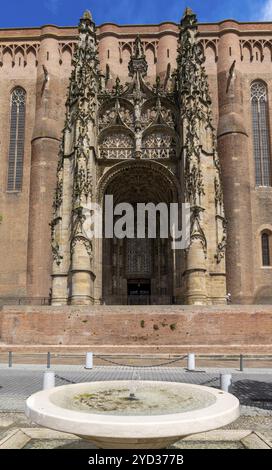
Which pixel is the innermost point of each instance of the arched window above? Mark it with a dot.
(261, 137)
(17, 140)
(266, 249)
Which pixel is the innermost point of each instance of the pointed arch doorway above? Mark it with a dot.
(139, 271)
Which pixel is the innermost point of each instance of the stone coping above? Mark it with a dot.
(147, 309)
(164, 351)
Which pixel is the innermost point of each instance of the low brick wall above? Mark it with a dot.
(141, 329)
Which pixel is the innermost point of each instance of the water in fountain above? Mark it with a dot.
(137, 399)
(135, 384)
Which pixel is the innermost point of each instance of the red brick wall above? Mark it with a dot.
(172, 329)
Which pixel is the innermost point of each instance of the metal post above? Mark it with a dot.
(191, 361)
(89, 360)
(241, 363)
(225, 382)
(10, 359)
(48, 380)
(48, 360)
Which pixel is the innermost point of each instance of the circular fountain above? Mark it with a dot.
(139, 415)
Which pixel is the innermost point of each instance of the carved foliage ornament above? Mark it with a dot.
(78, 232)
(151, 114)
(221, 226)
(115, 115)
(197, 232)
(57, 257)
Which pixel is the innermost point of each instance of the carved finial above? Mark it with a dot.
(157, 87)
(138, 61)
(138, 48)
(86, 23)
(87, 15)
(188, 12)
(118, 88)
(189, 17)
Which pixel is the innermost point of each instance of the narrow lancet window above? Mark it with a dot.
(17, 140)
(266, 249)
(261, 135)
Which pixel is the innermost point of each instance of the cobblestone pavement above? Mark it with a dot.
(253, 387)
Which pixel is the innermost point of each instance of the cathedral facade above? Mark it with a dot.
(157, 114)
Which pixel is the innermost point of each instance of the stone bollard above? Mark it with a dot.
(89, 360)
(48, 380)
(225, 382)
(191, 361)
(10, 358)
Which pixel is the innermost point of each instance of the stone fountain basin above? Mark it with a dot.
(49, 409)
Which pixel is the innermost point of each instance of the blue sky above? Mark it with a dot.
(20, 13)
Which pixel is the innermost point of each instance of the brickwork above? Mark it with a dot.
(165, 329)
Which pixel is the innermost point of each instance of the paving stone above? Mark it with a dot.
(46, 444)
(208, 445)
(255, 442)
(15, 439)
(219, 436)
(77, 445)
(5, 422)
(44, 433)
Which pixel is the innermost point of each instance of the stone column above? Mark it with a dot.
(82, 280)
(82, 248)
(233, 152)
(45, 147)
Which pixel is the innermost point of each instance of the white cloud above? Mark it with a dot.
(52, 5)
(266, 11)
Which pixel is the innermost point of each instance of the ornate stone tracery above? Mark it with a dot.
(117, 145)
(137, 107)
(258, 91)
(152, 114)
(158, 144)
(117, 113)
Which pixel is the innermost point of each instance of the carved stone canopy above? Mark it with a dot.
(138, 61)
